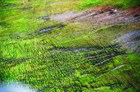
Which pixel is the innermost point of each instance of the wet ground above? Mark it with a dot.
(65, 56)
(102, 17)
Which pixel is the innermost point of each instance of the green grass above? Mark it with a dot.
(119, 3)
(49, 61)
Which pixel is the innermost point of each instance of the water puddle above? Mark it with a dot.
(93, 48)
(130, 41)
(97, 55)
(15, 87)
(49, 29)
(129, 36)
(117, 67)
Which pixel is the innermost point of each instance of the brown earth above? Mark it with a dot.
(101, 16)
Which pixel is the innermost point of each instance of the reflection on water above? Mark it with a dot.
(15, 87)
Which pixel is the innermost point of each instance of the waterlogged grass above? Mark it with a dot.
(75, 57)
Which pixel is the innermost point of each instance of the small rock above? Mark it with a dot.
(94, 14)
(100, 12)
(113, 11)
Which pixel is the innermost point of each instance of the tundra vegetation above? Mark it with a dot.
(55, 56)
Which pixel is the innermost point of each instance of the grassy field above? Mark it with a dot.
(118, 3)
(69, 57)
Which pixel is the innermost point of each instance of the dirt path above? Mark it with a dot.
(99, 16)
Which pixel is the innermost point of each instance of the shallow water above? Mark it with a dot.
(15, 87)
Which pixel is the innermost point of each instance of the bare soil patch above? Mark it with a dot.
(101, 16)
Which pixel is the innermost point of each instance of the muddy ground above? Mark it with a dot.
(107, 16)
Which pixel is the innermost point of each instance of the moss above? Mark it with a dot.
(59, 60)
